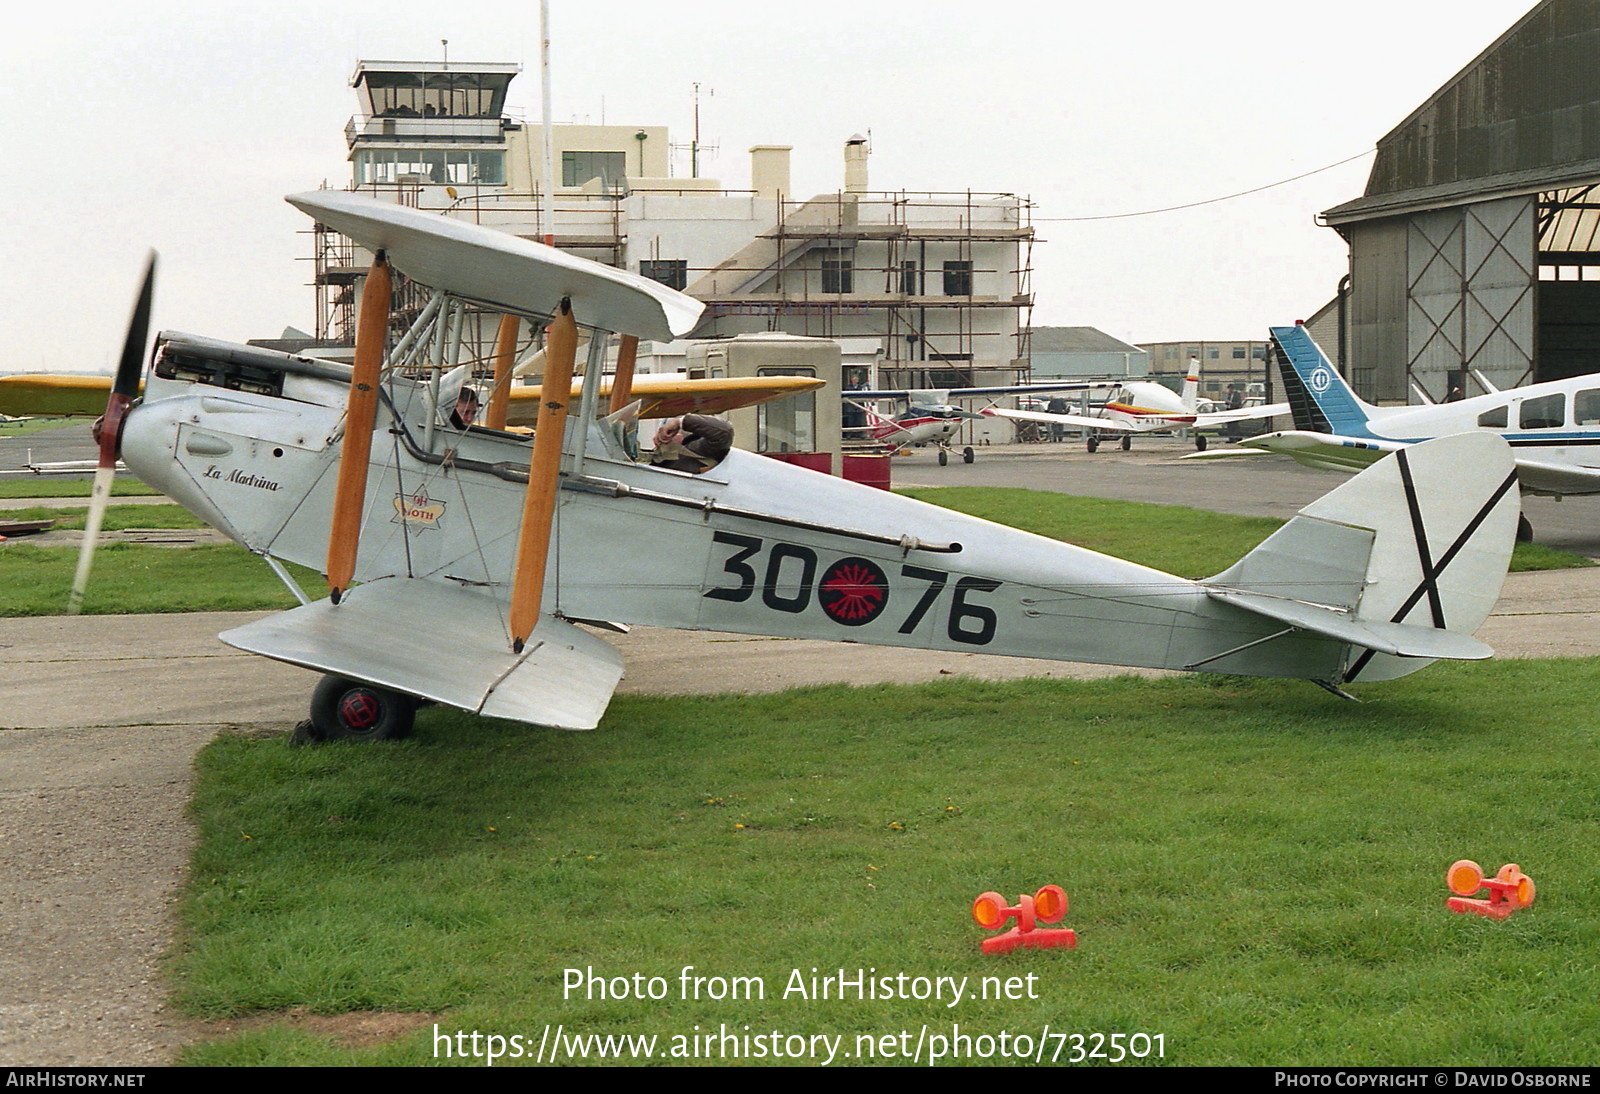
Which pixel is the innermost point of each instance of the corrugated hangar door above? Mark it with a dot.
(1471, 271)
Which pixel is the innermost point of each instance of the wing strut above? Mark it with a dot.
(544, 469)
(344, 535)
(505, 349)
(622, 384)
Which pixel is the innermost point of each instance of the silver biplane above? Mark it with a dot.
(466, 565)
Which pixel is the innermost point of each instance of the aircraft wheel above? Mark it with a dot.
(1199, 442)
(1127, 443)
(1094, 443)
(944, 457)
(967, 455)
(1524, 529)
(347, 710)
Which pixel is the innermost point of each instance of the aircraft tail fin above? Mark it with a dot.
(1191, 385)
(1318, 396)
(1403, 562)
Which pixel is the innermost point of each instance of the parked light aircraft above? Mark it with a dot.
(918, 424)
(461, 561)
(930, 417)
(1144, 406)
(1553, 428)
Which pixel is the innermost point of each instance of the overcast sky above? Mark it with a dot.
(181, 126)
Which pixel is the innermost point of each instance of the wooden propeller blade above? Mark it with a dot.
(108, 432)
(344, 534)
(131, 367)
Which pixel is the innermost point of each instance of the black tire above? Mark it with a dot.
(1127, 443)
(1094, 443)
(348, 710)
(1524, 529)
(1199, 442)
(944, 457)
(967, 455)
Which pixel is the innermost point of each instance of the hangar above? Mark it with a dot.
(1476, 245)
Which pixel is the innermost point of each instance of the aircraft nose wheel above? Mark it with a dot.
(944, 457)
(348, 710)
(1127, 443)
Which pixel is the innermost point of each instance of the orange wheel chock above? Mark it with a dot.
(1048, 905)
(1510, 889)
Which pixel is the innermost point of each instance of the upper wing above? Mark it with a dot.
(49, 396)
(671, 394)
(501, 271)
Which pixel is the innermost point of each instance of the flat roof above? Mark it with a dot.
(440, 67)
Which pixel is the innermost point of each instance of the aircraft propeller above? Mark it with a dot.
(108, 430)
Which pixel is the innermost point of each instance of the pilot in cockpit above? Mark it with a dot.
(692, 443)
(465, 412)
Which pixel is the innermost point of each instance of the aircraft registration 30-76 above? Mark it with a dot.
(850, 590)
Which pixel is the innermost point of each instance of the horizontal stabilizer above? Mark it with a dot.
(1402, 563)
(448, 644)
(1400, 639)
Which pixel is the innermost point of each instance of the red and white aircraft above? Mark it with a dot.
(930, 417)
(1144, 406)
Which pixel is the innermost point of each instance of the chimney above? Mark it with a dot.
(855, 165)
(769, 170)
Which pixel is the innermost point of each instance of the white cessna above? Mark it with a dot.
(1144, 406)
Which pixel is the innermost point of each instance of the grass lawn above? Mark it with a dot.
(39, 425)
(1255, 870)
(39, 486)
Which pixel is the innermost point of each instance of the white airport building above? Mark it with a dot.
(923, 289)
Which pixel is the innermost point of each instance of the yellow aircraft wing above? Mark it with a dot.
(668, 395)
(46, 395)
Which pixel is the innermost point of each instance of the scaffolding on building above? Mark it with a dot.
(906, 269)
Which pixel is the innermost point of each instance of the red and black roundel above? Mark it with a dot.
(853, 591)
